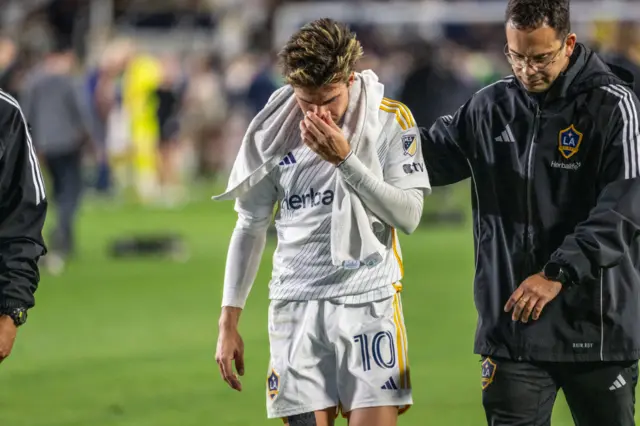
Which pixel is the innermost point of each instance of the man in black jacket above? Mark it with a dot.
(23, 208)
(554, 156)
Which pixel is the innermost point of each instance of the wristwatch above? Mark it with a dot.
(18, 315)
(555, 271)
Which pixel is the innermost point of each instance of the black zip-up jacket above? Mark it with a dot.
(23, 208)
(554, 178)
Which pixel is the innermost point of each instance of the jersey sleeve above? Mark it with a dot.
(247, 242)
(446, 147)
(404, 165)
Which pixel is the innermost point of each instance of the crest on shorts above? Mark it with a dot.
(409, 145)
(488, 372)
(273, 384)
(569, 141)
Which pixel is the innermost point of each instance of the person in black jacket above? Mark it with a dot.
(554, 156)
(23, 207)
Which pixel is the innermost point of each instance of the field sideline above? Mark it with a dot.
(131, 342)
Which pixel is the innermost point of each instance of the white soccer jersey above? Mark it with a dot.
(303, 186)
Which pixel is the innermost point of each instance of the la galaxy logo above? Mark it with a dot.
(488, 372)
(273, 384)
(409, 145)
(569, 141)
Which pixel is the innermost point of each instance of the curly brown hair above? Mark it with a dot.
(322, 52)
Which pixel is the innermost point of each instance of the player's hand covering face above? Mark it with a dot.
(321, 134)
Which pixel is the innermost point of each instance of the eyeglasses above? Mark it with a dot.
(537, 63)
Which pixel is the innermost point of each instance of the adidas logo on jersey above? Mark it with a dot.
(288, 160)
(310, 199)
(390, 385)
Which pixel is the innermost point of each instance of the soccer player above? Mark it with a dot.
(23, 208)
(554, 156)
(337, 335)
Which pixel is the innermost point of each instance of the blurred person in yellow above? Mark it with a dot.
(141, 80)
(344, 166)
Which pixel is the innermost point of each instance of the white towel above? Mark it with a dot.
(275, 131)
(272, 133)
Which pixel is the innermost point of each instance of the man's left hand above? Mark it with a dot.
(324, 137)
(531, 297)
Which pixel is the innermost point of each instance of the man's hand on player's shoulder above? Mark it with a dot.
(531, 297)
(230, 347)
(324, 137)
(8, 331)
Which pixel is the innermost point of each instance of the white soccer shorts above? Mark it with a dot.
(326, 354)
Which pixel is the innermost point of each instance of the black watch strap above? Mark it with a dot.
(17, 314)
(559, 272)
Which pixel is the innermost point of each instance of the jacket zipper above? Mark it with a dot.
(528, 233)
(529, 180)
(601, 314)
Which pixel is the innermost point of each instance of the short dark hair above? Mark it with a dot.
(322, 52)
(533, 14)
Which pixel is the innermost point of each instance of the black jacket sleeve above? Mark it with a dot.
(612, 226)
(445, 148)
(23, 208)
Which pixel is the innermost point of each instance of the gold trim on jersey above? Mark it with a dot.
(402, 113)
(401, 347)
(396, 253)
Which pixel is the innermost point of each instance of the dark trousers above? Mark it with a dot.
(66, 176)
(523, 394)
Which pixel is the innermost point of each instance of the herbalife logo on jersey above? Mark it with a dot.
(566, 166)
(308, 200)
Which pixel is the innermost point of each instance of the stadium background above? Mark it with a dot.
(130, 340)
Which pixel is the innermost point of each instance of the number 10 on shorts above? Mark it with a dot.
(382, 348)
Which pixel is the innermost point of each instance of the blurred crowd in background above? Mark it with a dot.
(159, 96)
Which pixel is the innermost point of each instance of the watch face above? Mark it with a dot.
(552, 270)
(19, 316)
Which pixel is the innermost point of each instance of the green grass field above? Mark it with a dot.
(131, 342)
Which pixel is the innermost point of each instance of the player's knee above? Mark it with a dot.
(306, 419)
